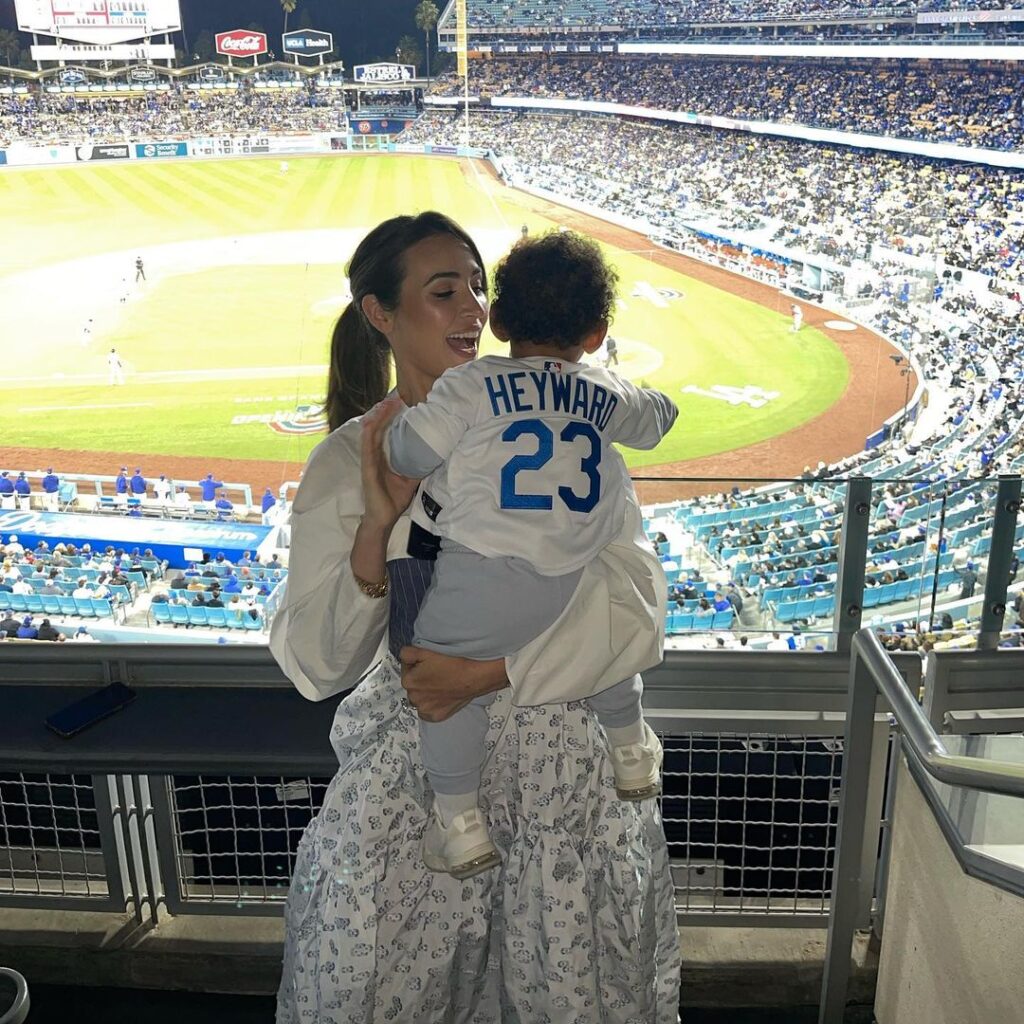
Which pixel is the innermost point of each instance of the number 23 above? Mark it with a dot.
(589, 464)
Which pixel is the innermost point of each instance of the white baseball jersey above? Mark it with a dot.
(520, 456)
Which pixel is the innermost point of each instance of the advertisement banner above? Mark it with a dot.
(243, 145)
(300, 143)
(120, 51)
(379, 125)
(21, 155)
(384, 72)
(967, 17)
(240, 42)
(446, 150)
(307, 42)
(3, 158)
(147, 150)
(117, 151)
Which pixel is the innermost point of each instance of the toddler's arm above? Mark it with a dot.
(644, 418)
(421, 438)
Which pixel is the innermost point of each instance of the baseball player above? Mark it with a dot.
(525, 488)
(611, 351)
(115, 368)
(798, 317)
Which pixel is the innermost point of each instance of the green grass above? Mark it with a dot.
(258, 311)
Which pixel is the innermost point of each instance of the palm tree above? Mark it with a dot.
(288, 6)
(426, 18)
(10, 47)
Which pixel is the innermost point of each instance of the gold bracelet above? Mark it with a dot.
(374, 590)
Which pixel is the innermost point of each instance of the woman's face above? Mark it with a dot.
(441, 313)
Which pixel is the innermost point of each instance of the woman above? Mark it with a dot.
(578, 924)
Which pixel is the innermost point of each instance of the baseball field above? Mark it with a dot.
(224, 343)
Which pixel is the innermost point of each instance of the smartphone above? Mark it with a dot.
(90, 710)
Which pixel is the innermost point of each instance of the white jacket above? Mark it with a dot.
(327, 634)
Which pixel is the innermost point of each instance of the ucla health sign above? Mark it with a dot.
(307, 42)
(147, 150)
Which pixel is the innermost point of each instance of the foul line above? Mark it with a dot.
(70, 408)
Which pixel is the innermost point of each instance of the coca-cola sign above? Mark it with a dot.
(240, 42)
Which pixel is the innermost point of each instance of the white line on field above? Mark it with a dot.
(70, 408)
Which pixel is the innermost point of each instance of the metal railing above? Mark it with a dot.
(873, 674)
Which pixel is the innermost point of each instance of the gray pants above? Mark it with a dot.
(486, 608)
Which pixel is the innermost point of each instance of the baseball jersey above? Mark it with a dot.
(520, 456)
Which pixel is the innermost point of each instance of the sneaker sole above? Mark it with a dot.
(644, 792)
(482, 860)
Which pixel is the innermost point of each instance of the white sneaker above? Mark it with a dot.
(463, 849)
(637, 768)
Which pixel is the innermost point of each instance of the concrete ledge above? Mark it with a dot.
(722, 967)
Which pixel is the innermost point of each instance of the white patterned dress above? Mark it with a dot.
(577, 925)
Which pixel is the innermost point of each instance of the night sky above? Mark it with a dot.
(364, 30)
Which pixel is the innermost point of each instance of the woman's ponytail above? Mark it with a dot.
(360, 368)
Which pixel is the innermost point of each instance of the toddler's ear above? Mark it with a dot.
(595, 339)
(497, 327)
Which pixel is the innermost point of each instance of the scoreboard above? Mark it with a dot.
(98, 21)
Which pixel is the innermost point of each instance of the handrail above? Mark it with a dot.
(871, 672)
(954, 770)
(18, 1010)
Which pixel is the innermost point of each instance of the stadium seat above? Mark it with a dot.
(51, 604)
(67, 605)
(18, 602)
(83, 607)
(34, 602)
(216, 617)
(179, 614)
(250, 623)
(722, 620)
(161, 612)
(197, 615)
(102, 608)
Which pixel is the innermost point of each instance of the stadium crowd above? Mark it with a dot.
(827, 200)
(704, 12)
(48, 118)
(936, 103)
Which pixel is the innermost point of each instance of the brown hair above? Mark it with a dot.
(553, 290)
(360, 366)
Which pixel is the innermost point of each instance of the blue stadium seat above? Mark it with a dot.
(18, 602)
(83, 606)
(102, 608)
(51, 604)
(161, 611)
(179, 614)
(216, 617)
(250, 623)
(722, 620)
(197, 615)
(34, 602)
(67, 605)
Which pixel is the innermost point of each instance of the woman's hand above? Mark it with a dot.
(438, 685)
(386, 495)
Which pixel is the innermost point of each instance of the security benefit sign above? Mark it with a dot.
(384, 72)
(147, 150)
(119, 151)
(307, 42)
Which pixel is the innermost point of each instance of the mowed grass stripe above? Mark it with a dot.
(266, 316)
